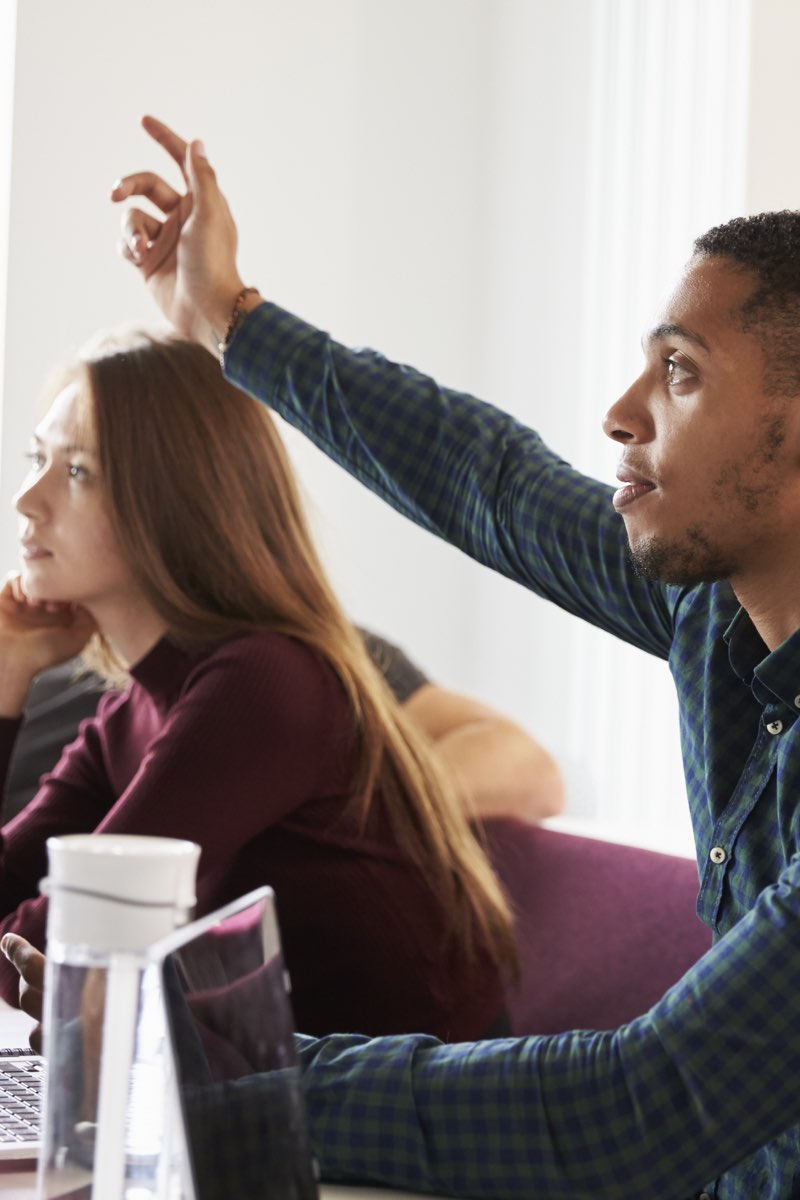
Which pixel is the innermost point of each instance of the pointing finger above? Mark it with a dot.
(174, 145)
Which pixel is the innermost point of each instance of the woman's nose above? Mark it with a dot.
(30, 500)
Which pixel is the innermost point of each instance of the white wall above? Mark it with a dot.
(773, 163)
(422, 176)
(8, 16)
(381, 159)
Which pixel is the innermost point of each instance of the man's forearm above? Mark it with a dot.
(656, 1108)
(384, 423)
(458, 467)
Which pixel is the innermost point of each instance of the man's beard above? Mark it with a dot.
(743, 490)
(684, 563)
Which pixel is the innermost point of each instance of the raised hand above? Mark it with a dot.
(33, 637)
(187, 256)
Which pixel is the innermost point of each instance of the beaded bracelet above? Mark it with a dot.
(234, 321)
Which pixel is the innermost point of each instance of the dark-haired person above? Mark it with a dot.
(695, 558)
(497, 767)
(251, 719)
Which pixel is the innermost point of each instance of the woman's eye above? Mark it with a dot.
(77, 472)
(35, 458)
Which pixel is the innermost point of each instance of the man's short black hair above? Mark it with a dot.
(767, 246)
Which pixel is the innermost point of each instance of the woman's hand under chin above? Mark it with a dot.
(34, 635)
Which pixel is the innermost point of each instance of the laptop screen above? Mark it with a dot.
(231, 1031)
(243, 1130)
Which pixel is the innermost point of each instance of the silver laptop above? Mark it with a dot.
(21, 1079)
(230, 1034)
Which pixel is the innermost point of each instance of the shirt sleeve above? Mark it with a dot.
(400, 673)
(460, 468)
(657, 1108)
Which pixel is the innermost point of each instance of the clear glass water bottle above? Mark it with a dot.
(106, 1123)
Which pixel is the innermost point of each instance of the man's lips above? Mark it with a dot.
(634, 486)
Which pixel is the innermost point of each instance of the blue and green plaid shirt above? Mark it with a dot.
(706, 1086)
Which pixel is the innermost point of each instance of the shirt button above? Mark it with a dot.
(775, 727)
(717, 855)
(797, 701)
(704, 1196)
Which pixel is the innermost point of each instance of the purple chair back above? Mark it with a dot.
(603, 929)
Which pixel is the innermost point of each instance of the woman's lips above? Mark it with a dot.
(629, 493)
(30, 551)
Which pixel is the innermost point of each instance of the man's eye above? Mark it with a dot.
(676, 372)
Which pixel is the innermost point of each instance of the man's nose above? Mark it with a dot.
(628, 419)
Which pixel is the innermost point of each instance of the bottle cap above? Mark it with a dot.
(118, 892)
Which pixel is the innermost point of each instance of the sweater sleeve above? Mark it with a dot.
(242, 746)
(58, 808)
(460, 468)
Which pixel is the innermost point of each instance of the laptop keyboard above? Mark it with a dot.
(20, 1100)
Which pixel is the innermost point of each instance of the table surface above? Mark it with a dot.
(18, 1181)
(21, 1185)
(14, 1026)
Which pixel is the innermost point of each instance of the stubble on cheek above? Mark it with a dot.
(752, 483)
(743, 488)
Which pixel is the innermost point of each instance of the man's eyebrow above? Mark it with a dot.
(668, 330)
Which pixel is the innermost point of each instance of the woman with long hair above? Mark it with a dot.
(160, 523)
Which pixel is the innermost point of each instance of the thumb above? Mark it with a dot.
(25, 958)
(11, 944)
(201, 176)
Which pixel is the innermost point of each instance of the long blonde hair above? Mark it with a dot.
(208, 516)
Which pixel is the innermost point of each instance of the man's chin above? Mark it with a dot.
(684, 563)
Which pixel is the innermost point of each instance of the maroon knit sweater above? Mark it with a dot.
(246, 750)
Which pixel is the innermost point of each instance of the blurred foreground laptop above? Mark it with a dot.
(237, 1085)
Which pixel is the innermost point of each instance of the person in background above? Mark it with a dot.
(695, 558)
(498, 769)
(170, 537)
